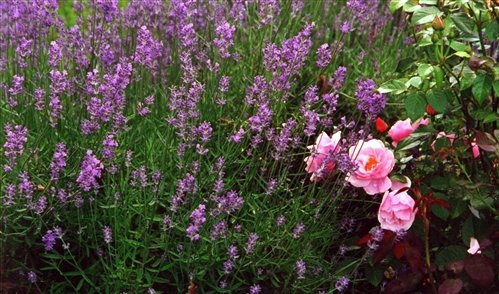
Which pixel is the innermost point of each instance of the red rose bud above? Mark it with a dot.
(430, 110)
(437, 23)
(381, 125)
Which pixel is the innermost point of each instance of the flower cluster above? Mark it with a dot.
(90, 172)
(16, 137)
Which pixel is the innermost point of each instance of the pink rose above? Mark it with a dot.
(374, 162)
(475, 149)
(396, 211)
(320, 163)
(403, 129)
(396, 185)
(474, 246)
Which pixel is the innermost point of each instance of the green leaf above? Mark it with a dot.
(415, 104)
(482, 86)
(411, 6)
(495, 85)
(458, 46)
(462, 54)
(374, 275)
(492, 31)
(440, 212)
(465, 25)
(396, 4)
(449, 254)
(425, 15)
(468, 231)
(415, 82)
(405, 64)
(395, 86)
(425, 69)
(437, 99)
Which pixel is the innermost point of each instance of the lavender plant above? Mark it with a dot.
(161, 146)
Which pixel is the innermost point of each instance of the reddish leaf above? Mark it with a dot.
(406, 282)
(381, 125)
(486, 141)
(441, 203)
(456, 266)
(363, 241)
(480, 269)
(385, 246)
(399, 249)
(451, 286)
(414, 257)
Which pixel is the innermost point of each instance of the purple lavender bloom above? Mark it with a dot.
(49, 240)
(89, 127)
(58, 162)
(10, 192)
(268, 11)
(219, 230)
(255, 289)
(232, 252)
(297, 7)
(25, 186)
(342, 249)
(228, 266)
(197, 220)
(223, 84)
(14, 90)
(368, 101)
(109, 144)
(311, 95)
(139, 175)
(40, 205)
(32, 277)
(225, 38)
(286, 61)
(284, 140)
(39, 99)
(14, 144)
(109, 8)
(62, 195)
(262, 119)
(342, 283)
(271, 186)
(281, 220)
(148, 50)
(230, 202)
(301, 268)
(204, 131)
(107, 233)
(338, 78)
(345, 27)
(377, 233)
(55, 54)
(323, 56)
(23, 51)
(400, 235)
(237, 137)
(167, 222)
(344, 163)
(298, 230)
(250, 245)
(311, 120)
(238, 10)
(90, 172)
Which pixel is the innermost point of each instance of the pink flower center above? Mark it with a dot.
(371, 163)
